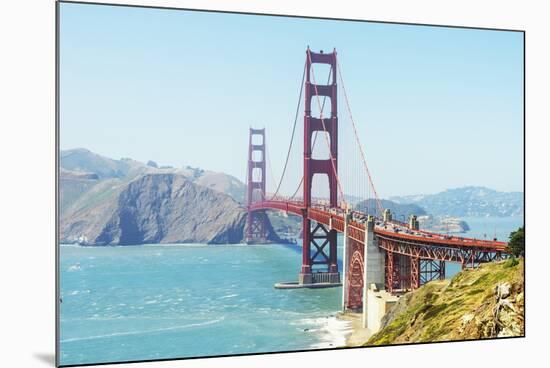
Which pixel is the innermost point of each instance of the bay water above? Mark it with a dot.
(155, 301)
(176, 301)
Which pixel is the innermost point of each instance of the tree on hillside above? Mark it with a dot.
(516, 244)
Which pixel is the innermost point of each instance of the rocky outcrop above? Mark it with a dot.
(483, 303)
(443, 224)
(508, 311)
(155, 208)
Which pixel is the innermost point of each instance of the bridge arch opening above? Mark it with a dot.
(257, 174)
(257, 195)
(354, 282)
(320, 145)
(257, 156)
(257, 139)
(322, 73)
(323, 105)
(320, 190)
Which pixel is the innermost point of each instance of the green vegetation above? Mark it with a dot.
(516, 244)
(470, 306)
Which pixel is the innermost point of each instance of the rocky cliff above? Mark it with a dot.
(483, 303)
(153, 208)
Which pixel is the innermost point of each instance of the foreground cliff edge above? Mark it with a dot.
(486, 302)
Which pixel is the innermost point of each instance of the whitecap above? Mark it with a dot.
(229, 296)
(333, 332)
(75, 267)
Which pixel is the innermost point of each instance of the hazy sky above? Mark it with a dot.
(436, 107)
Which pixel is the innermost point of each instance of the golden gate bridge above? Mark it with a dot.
(378, 249)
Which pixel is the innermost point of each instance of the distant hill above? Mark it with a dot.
(468, 202)
(153, 208)
(76, 166)
(400, 211)
(83, 160)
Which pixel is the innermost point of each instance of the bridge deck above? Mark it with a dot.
(334, 219)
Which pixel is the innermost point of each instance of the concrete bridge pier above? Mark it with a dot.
(373, 276)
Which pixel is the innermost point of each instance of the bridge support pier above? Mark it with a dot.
(374, 267)
(256, 229)
(321, 266)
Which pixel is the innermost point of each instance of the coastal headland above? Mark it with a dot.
(486, 302)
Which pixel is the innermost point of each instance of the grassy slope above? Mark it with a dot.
(457, 309)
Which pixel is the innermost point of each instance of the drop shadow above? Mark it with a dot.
(47, 358)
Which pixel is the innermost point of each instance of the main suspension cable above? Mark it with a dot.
(293, 132)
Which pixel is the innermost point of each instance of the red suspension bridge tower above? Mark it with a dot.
(320, 266)
(256, 229)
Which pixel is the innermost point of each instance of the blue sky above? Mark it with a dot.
(436, 107)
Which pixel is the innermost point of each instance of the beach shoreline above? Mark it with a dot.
(358, 335)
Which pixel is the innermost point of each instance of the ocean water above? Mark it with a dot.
(490, 227)
(175, 301)
(486, 228)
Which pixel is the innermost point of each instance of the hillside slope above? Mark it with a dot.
(483, 303)
(76, 166)
(153, 208)
(468, 202)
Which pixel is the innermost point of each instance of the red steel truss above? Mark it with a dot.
(354, 277)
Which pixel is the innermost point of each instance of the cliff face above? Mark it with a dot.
(153, 208)
(483, 303)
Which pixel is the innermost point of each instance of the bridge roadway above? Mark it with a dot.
(395, 236)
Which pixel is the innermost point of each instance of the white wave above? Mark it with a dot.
(182, 327)
(332, 333)
(75, 267)
(229, 296)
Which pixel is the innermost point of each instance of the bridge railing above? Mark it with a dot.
(322, 212)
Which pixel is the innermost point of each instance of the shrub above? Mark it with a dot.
(516, 244)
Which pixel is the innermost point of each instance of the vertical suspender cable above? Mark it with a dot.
(379, 204)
